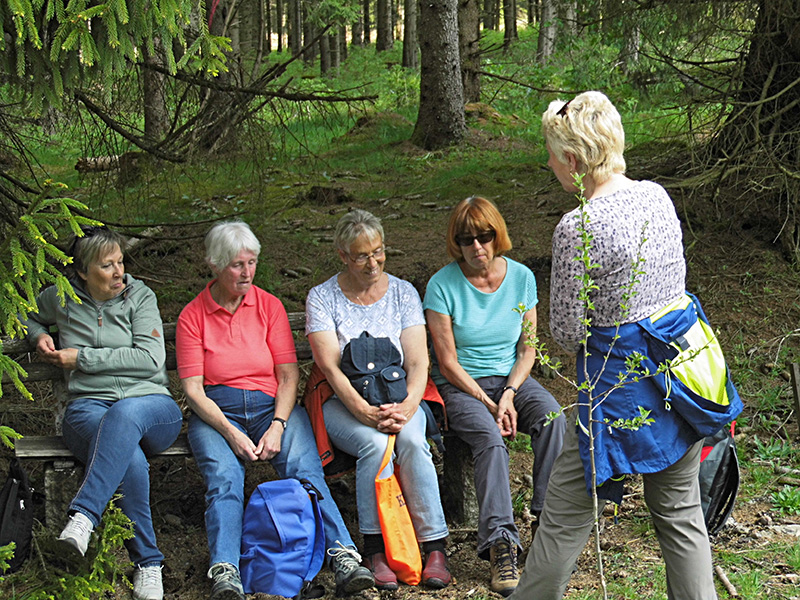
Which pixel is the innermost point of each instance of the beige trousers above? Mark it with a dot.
(673, 497)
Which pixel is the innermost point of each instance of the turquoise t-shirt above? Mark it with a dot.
(485, 326)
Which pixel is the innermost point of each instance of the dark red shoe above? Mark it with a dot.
(385, 579)
(435, 575)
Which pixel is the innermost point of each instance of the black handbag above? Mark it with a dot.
(373, 366)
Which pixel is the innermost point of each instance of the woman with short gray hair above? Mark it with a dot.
(238, 369)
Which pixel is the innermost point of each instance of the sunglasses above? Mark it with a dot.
(484, 237)
(562, 112)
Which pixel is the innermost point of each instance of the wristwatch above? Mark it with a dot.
(281, 421)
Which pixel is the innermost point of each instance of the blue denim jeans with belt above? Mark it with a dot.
(113, 439)
(251, 412)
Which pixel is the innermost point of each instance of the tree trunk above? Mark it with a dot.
(410, 41)
(367, 26)
(324, 54)
(469, 34)
(357, 32)
(309, 33)
(509, 23)
(342, 38)
(547, 32)
(762, 131)
(533, 12)
(279, 24)
(267, 12)
(385, 39)
(571, 18)
(295, 26)
(156, 114)
(440, 121)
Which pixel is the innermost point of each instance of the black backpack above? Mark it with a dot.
(16, 516)
(719, 478)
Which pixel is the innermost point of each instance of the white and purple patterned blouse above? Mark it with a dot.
(633, 223)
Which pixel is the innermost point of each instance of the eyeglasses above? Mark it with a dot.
(484, 237)
(362, 259)
(562, 112)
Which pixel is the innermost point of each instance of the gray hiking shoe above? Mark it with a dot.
(147, 583)
(227, 583)
(77, 532)
(350, 576)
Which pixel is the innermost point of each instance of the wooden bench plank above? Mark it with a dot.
(52, 447)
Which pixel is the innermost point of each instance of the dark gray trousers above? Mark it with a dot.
(474, 424)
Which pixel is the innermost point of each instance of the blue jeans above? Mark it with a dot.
(113, 439)
(251, 412)
(415, 471)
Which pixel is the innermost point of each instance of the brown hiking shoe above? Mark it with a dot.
(505, 574)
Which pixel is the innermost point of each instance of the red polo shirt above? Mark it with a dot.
(239, 350)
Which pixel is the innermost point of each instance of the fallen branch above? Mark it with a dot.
(726, 582)
(789, 481)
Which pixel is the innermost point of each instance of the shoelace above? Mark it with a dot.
(223, 573)
(337, 554)
(149, 576)
(79, 526)
(506, 561)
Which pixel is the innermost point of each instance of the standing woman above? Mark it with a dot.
(111, 347)
(637, 247)
(482, 367)
(238, 369)
(363, 298)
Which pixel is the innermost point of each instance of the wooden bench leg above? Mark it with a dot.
(62, 478)
(458, 490)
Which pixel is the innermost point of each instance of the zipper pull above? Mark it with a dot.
(99, 320)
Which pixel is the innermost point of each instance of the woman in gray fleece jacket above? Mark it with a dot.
(111, 347)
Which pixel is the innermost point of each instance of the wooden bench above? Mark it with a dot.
(63, 473)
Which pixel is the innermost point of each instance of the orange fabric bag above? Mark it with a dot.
(402, 548)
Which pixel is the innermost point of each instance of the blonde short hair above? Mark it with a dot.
(590, 128)
(476, 214)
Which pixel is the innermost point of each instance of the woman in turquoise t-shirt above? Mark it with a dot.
(482, 366)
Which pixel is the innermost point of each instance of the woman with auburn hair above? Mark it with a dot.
(638, 292)
(482, 363)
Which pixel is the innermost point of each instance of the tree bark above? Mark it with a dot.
(762, 130)
(367, 25)
(509, 23)
(385, 39)
(440, 121)
(156, 113)
(410, 40)
(279, 24)
(469, 33)
(547, 32)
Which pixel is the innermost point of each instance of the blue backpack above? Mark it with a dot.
(283, 542)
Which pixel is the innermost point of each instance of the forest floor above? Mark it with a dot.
(750, 292)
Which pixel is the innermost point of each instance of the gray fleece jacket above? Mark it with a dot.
(120, 341)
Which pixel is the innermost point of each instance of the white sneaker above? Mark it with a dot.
(77, 532)
(147, 583)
